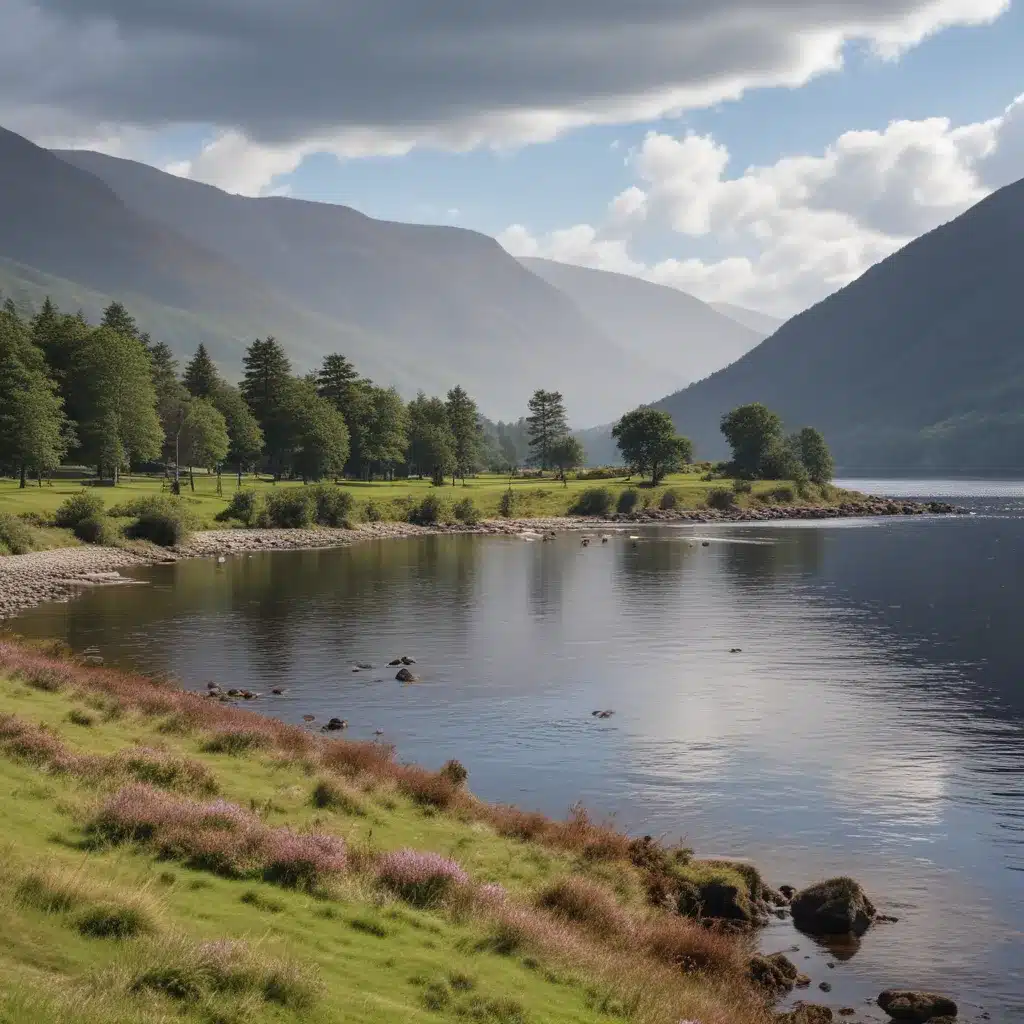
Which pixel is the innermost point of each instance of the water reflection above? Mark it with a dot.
(870, 721)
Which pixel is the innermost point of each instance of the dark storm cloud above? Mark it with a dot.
(281, 70)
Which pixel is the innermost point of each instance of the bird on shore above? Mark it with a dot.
(221, 559)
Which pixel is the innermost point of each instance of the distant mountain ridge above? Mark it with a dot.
(917, 365)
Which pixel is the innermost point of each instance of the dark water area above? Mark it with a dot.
(872, 723)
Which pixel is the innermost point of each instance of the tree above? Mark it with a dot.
(464, 424)
(337, 381)
(814, 454)
(753, 431)
(545, 425)
(648, 442)
(383, 430)
(59, 336)
(201, 378)
(171, 396)
(34, 432)
(431, 444)
(244, 432)
(118, 421)
(266, 388)
(567, 454)
(319, 437)
(203, 440)
(118, 319)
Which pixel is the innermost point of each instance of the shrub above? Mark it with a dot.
(329, 794)
(333, 505)
(291, 508)
(601, 473)
(507, 504)
(669, 500)
(245, 506)
(163, 769)
(76, 716)
(741, 486)
(584, 903)
(782, 494)
(455, 771)
(427, 512)
(16, 536)
(422, 879)
(594, 501)
(162, 521)
(95, 530)
(720, 498)
(628, 500)
(372, 512)
(466, 512)
(235, 741)
(690, 946)
(71, 511)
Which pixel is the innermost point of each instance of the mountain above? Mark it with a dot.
(752, 318)
(917, 365)
(416, 305)
(684, 338)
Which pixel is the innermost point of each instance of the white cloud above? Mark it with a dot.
(804, 226)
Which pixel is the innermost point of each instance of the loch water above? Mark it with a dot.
(871, 722)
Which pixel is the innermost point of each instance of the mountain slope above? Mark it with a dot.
(683, 337)
(752, 318)
(917, 364)
(446, 305)
(59, 221)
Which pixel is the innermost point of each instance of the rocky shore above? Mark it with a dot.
(57, 575)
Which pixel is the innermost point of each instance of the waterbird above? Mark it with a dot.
(221, 558)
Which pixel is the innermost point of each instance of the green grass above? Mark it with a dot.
(532, 497)
(111, 933)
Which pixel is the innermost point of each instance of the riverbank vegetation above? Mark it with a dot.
(170, 857)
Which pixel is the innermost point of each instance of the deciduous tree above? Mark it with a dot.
(752, 431)
(649, 443)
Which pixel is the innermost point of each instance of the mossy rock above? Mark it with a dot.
(776, 974)
(838, 906)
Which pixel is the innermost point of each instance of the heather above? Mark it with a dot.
(289, 875)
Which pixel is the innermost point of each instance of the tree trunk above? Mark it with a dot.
(191, 480)
(239, 475)
(117, 473)
(22, 483)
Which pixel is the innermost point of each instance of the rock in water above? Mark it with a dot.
(836, 907)
(916, 1007)
(776, 974)
(806, 1013)
(406, 660)
(405, 676)
(335, 724)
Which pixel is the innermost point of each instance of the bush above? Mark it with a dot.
(235, 741)
(741, 486)
(333, 505)
(720, 498)
(601, 473)
(594, 501)
(165, 527)
(455, 771)
(246, 506)
(422, 879)
(372, 512)
(669, 500)
(15, 536)
(95, 530)
(628, 500)
(291, 508)
(782, 494)
(81, 506)
(584, 903)
(332, 795)
(466, 512)
(507, 504)
(428, 512)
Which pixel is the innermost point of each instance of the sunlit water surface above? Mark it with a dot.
(871, 724)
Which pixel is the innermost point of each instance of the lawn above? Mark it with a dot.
(119, 931)
(532, 496)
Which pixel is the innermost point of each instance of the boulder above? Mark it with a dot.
(776, 974)
(335, 724)
(838, 906)
(916, 1007)
(405, 676)
(406, 660)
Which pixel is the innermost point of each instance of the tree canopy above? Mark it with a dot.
(649, 443)
(546, 424)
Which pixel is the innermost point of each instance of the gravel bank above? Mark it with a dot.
(27, 580)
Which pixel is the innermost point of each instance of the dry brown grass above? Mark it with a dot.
(583, 902)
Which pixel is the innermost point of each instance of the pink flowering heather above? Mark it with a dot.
(420, 878)
(39, 746)
(492, 895)
(300, 858)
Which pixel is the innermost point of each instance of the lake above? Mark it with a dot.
(872, 722)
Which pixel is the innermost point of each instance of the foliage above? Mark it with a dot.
(334, 506)
(601, 473)
(372, 512)
(95, 530)
(246, 506)
(741, 486)
(15, 535)
(291, 508)
(594, 501)
(465, 511)
(162, 522)
(507, 504)
(201, 378)
(244, 435)
(669, 500)
(432, 446)
(649, 444)
(464, 424)
(34, 432)
(815, 455)
(628, 501)
(753, 432)
(567, 454)
(427, 512)
(721, 498)
(546, 424)
(319, 438)
(203, 440)
(422, 879)
(265, 387)
(83, 505)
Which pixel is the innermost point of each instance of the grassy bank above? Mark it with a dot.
(169, 858)
(531, 496)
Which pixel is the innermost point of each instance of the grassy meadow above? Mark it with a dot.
(169, 858)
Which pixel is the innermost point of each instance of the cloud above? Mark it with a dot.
(804, 226)
(384, 76)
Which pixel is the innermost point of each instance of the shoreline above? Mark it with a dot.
(59, 574)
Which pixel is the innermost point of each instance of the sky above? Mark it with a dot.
(759, 152)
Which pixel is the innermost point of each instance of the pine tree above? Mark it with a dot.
(201, 378)
(171, 396)
(266, 386)
(337, 381)
(464, 423)
(118, 319)
(545, 425)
